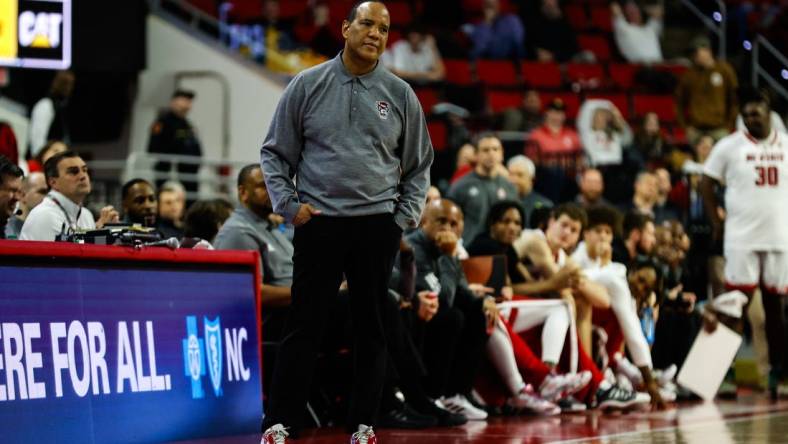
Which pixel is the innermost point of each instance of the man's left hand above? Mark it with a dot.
(107, 215)
(480, 290)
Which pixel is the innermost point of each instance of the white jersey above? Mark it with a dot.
(755, 174)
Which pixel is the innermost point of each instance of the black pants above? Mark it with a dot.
(452, 345)
(362, 248)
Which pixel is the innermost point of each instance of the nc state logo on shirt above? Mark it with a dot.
(383, 109)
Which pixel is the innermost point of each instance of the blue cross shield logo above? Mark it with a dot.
(193, 357)
(213, 353)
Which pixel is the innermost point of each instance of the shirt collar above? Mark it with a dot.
(771, 140)
(366, 80)
(68, 205)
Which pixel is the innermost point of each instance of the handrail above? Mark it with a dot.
(758, 71)
(719, 30)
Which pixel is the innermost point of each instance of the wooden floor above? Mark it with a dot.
(751, 419)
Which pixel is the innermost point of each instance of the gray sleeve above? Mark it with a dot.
(236, 239)
(282, 147)
(415, 161)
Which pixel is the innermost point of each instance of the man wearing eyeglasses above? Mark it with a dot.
(61, 210)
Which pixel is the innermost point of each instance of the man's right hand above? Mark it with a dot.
(305, 213)
(710, 321)
(566, 276)
(428, 305)
(446, 242)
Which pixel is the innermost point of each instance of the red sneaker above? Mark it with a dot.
(276, 434)
(365, 435)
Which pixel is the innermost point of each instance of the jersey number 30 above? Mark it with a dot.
(767, 176)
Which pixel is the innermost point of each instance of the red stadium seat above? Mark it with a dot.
(571, 100)
(664, 106)
(394, 37)
(585, 72)
(601, 18)
(676, 70)
(399, 12)
(620, 100)
(206, 6)
(500, 100)
(428, 97)
(243, 10)
(622, 75)
(541, 75)
(496, 72)
(576, 16)
(292, 8)
(437, 130)
(599, 45)
(458, 71)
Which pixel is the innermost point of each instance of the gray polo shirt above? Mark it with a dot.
(245, 230)
(475, 195)
(357, 144)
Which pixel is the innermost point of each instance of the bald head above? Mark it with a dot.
(442, 215)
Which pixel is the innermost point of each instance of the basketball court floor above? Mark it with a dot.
(750, 419)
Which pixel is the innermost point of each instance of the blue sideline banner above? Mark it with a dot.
(141, 353)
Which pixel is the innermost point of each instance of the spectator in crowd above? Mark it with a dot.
(705, 256)
(645, 197)
(10, 191)
(278, 32)
(603, 132)
(203, 220)
(62, 211)
(554, 137)
(521, 174)
(453, 341)
(637, 41)
(504, 227)
(556, 149)
(49, 117)
(676, 325)
(706, 95)
(173, 134)
(592, 188)
(550, 35)
(620, 322)
(50, 148)
(318, 30)
(249, 228)
(477, 191)
(416, 58)
(497, 36)
(8, 143)
(34, 188)
(433, 193)
(172, 202)
(466, 161)
(526, 117)
(649, 141)
(139, 203)
(663, 209)
(638, 239)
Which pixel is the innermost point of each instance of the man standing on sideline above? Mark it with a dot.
(356, 138)
(752, 165)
